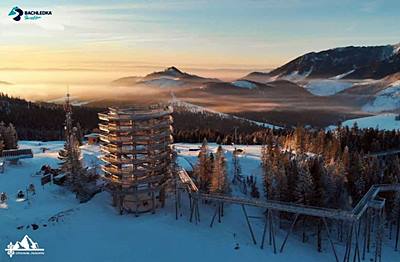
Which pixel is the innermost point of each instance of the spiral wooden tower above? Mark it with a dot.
(136, 150)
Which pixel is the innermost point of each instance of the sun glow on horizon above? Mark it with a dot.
(98, 41)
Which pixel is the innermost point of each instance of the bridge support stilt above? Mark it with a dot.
(289, 232)
(330, 239)
(249, 225)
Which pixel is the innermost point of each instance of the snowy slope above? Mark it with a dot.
(385, 100)
(296, 76)
(327, 87)
(95, 232)
(200, 109)
(164, 82)
(244, 84)
(343, 75)
(75, 101)
(383, 122)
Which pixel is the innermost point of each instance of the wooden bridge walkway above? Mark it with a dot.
(370, 201)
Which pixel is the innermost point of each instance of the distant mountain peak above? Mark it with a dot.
(173, 69)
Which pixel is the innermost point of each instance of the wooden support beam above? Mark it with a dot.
(249, 225)
(213, 217)
(330, 239)
(366, 221)
(191, 210)
(289, 232)
(197, 211)
(348, 243)
(357, 247)
(265, 230)
(272, 228)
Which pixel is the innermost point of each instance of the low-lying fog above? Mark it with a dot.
(86, 84)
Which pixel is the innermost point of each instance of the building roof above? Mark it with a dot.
(95, 135)
(15, 154)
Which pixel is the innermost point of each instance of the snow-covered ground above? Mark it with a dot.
(327, 87)
(200, 109)
(343, 75)
(385, 100)
(244, 84)
(296, 76)
(95, 232)
(383, 122)
(164, 82)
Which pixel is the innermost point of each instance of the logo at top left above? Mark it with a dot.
(17, 13)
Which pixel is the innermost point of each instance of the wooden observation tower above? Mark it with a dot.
(136, 149)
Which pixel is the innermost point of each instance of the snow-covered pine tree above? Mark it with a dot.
(357, 180)
(317, 171)
(10, 137)
(275, 179)
(79, 133)
(219, 179)
(329, 183)
(300, 139)
(70, 155)
(304, 185)
(335, 183)
(203, 168)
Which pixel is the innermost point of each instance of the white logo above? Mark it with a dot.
(24, 247)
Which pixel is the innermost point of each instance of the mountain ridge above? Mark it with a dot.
(169, 77)
(353, 62)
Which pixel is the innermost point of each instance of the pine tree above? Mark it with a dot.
(203, 168)
(300, 139)
(237, 170)
(305, 185)
(356, 178)
(11, 137)
(219, 179)
(79, 133)
(70, 155)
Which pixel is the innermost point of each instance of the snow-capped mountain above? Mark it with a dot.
(350, 62)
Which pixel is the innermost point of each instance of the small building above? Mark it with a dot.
(14, 155)
(93, 138)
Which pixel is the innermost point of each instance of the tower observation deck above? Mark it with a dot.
(136, 150)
